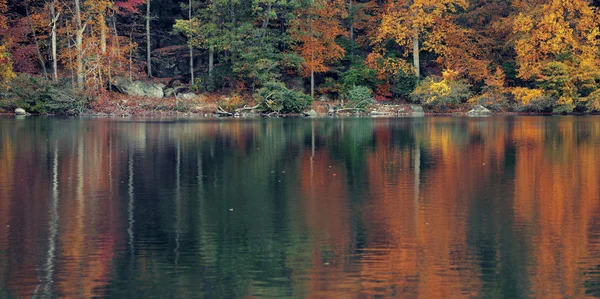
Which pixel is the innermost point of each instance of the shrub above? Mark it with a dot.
(279, 98)
(531, 100)
(439, 95)
(359, 97)
(593, 101)
(231, 103)
(44, 97)
(405, 84)
(492, 99)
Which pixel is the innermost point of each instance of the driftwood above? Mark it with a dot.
(335, 110)
(221, 111)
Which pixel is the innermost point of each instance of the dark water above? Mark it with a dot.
(407, 208)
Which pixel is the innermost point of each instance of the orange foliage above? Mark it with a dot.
(316, 29)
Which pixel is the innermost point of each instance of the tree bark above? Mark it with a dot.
(416, 61)
(148, 45)
(37, 44)
(191, 48)
(79, 44)
(211, 59)
(54, 17)
(312, 84)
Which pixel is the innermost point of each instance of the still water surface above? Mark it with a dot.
(502, 207)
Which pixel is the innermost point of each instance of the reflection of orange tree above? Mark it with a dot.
(423, 234)
(557, 192)
(87, 238)
(326, 205)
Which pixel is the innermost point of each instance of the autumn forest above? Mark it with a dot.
(72, 56)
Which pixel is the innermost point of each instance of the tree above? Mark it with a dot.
(315, 29)
(557, 47)
(407, 21)
(6, 72)
(148, 44)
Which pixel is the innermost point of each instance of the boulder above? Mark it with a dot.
(138, 88)
(479, 110)
(188, 96)
(172, 91)
(20, 111)
(311, 113)
(324, 98)
(417, 111)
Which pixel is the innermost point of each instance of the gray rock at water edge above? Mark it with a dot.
(188, 96)
(311, 113)
(416, 108)
(417, 111)
(20, 111)
(479, 110)
(138, 88)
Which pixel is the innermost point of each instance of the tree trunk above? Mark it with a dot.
(351, 14)
(312, 84)
(79, 44)
(54, 17)
(211, 60)
(416, 61)
(70, 56)
(37, 44)
(191, 48)
(102, 35)
(148, 45)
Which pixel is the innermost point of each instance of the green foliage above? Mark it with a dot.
(556, 80)
(357, 74)
(405, 85)
(439, 95)
(279, 98)
(44, 97)
(359, 97)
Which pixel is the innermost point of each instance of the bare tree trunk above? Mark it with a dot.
(211, 59)
(79, 44)
(416, 61)
(351, 14)
(131, 53)
(148, 45)
(102, 35)
(312, 84)
(54, 17)
(37, 44)
(191, 48)
(70, 56)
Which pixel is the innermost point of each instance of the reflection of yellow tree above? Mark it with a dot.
(557, 193)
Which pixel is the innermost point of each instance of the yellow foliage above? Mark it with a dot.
(450, 75)
(6, 72)
(439, 89)
(526, 95)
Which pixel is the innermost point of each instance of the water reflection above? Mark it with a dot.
(419, 208)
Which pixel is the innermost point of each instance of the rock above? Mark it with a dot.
(138, 88)
(382, 113)
(479, 110)
(20, 111)
(311, 113)
(169, 92)
(324, 98)
(417, 111)
(188, 96)
(417, 108)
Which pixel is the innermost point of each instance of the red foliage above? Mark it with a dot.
(22, 49)
(129, 6)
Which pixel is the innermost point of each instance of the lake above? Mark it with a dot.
(498, 207)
